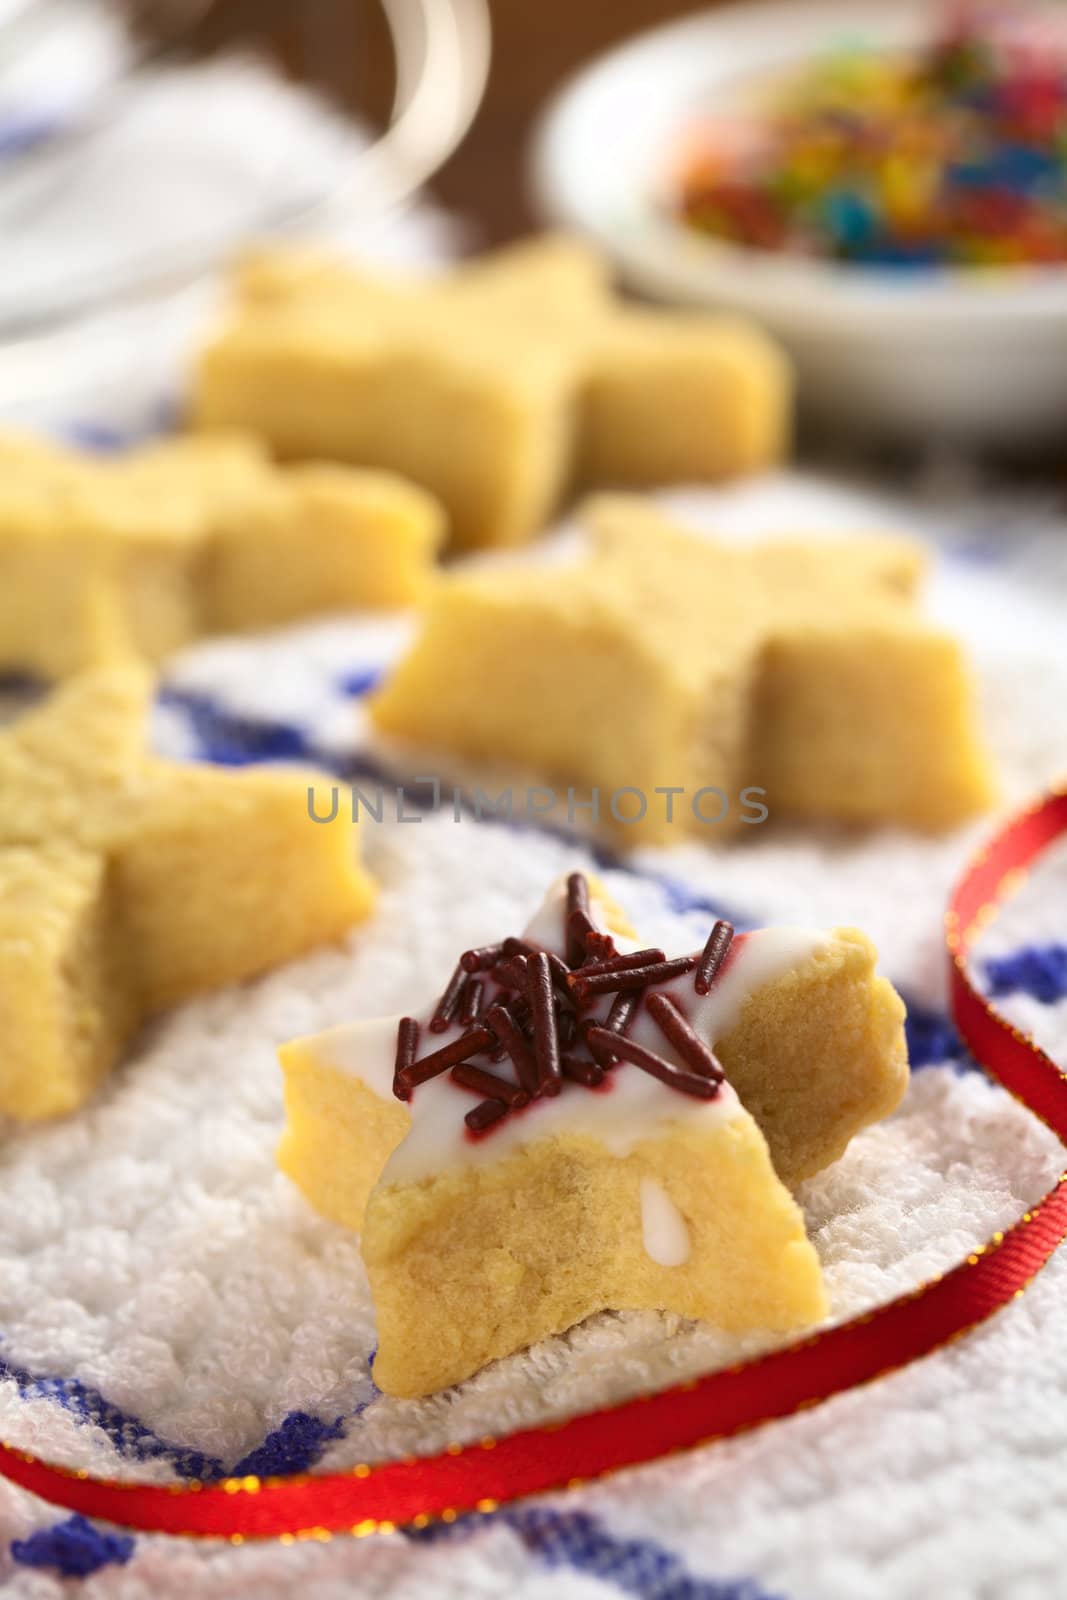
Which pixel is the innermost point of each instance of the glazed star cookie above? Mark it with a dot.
(495, 386)
(575, 1125)
(128, 883)
(659, 661)
(107, 557)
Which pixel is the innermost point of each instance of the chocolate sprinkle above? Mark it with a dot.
(523, 947)
(617, 1021)
(545, 1030)
(616, 963)
(445, 1009)
(519, 1007)
(577, 892)
(676, 1030)
(599, 947)
(487, 1083)
(579, 928)
(603, 1055)
(407, 1042)
(470, 1002)
(692, 1083)
(632, 978)
(587, 1073)
(622, 1009)
(481, 959)
(577, 900)
(510, 974)
(533, 1017)
(507, 1032)
(713, 955)
(449, 1055)
(484, 1115)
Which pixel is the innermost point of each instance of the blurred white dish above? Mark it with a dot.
(974, 358)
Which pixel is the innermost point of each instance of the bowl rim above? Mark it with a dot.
(660, 254)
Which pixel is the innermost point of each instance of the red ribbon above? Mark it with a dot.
(482, 1476)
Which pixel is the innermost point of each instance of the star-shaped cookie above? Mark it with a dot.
(496, 386)
(104, 558)
(793, 675)
(128, 883)
(575, 1125)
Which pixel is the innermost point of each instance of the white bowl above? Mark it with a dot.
(955, 355)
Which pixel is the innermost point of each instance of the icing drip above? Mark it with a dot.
(663, 1227)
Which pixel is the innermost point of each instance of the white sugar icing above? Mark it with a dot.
(663, 1228)
(631, 1106)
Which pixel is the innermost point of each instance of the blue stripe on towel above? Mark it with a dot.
(294, 1446)
(579, 1542)
(1038, 970)
(131, 1438)
(19, 134)
(102, 438)
(234, 741)
(571, 1541)
(300, 1441)
(361, 682)
(73, 1548)
(96, 437)
(932, 1039)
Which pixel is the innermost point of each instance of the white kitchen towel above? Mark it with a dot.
(170, 1308)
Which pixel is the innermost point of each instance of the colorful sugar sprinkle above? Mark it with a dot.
(953, 154)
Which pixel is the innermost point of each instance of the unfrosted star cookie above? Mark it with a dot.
(574, 1125)
(128, 883)
(496, 386)
(658, 661)
(107, 557)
